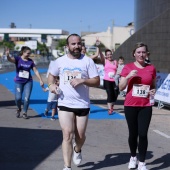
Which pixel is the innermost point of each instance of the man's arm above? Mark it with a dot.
(91, 82)
(51, 83)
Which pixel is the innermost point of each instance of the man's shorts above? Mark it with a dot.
(77, 111)
(51, 105)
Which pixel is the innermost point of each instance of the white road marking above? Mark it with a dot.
(161, 133)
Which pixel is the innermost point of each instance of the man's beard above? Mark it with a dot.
(75, 54)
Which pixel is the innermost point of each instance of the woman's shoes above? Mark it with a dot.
(110, 111)
(25, 116)
(18, 113)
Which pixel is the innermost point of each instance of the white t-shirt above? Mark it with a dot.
(67, 68)
(51, 96)
(49, 67)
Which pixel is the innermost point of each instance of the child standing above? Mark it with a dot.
(51, 102)
(119, 69)
(117, 76)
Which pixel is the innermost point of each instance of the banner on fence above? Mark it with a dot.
(163, 87)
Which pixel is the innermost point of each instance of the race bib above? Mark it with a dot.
(140, 90)
(111, 75)
(24, 74)
(68, 75)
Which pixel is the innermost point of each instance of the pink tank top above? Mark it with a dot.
(110, 70)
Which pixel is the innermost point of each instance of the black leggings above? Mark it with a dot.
(111, 90)
(138, 120)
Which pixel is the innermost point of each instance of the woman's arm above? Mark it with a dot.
(38, 76)
(124, 80)
(10, 59)
(102, 57)
(95, 55)
(153, 88)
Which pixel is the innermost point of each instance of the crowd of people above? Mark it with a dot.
(69, 79)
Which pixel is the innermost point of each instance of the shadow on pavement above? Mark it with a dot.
(98, 101)
(164, 162)
(7, 103)
(12, 102)
(24, 149)
(111, 160)
(39, 101)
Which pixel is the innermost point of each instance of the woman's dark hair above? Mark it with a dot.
(23, 49)
(107, 50)
(70, 36)
(138, 45)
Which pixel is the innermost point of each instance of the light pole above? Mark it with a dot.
(80, 26)
(112, 28)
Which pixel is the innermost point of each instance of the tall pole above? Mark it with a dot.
(112, 28)
(80, 26)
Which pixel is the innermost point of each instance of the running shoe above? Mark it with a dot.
(132, 163)
(25, 116)
(66, 168)
(77, 157)
(110, 111)
(46, 113)
(18, 113)
(53, 118)
(142, 166)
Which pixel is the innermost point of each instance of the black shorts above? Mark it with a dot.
(76, 111)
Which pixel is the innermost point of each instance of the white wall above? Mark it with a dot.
(120, 34)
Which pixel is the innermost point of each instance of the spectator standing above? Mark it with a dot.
(94, 56)
(117, 76)
(119, 69)
(110, 68)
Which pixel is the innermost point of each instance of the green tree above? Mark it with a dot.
(42, 48)
(60, 44)
(7, 44)
(101, 46)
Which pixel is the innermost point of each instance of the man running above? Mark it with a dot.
(77, 72)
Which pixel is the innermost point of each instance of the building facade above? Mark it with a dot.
(152, 26)
(41, 35)
(112, 38)
(29, 37)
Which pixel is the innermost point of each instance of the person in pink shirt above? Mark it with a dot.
(140, 79)
(110, 68)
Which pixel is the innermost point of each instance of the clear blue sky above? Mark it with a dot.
(70, 15)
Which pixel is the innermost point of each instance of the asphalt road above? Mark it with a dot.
(35, 144)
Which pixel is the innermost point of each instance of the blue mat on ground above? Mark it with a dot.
(38, 99)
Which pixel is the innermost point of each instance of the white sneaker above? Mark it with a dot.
(132, 163)
(142, 166)
(77, 157)
(66, 168)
